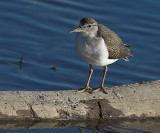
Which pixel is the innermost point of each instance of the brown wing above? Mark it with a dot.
(115, 45)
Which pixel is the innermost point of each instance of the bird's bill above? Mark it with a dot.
(79, 29)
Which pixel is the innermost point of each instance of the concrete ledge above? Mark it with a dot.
(133, 100)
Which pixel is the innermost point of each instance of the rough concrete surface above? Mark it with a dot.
(133, 100)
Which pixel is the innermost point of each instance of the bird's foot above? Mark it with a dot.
(100, 88)
(88, 89)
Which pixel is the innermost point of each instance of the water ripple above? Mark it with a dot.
(38, 30)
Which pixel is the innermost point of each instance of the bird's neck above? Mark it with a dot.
(89, 34)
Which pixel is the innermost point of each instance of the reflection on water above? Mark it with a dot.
(91, 126)
(21, 62)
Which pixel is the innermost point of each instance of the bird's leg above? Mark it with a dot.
(101, 86)
(87, 88)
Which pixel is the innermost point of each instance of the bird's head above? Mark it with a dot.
(87, 25)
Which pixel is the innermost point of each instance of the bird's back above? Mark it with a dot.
(117, 49)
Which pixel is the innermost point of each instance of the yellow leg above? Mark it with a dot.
(87, 88)
(101, 86)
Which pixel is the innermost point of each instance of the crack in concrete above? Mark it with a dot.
(100, 110)
(32, 111)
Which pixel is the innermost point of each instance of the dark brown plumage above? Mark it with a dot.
(117, 49)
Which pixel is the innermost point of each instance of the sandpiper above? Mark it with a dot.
(99, 46)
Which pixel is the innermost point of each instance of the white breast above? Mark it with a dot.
(93, 50)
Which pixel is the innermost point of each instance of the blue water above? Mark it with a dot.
(71, 130)
(38, 31)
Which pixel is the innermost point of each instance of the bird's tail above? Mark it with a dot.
(130, 52)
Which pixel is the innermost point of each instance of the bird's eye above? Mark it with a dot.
(89, 26)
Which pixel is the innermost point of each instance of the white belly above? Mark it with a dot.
(93, 50)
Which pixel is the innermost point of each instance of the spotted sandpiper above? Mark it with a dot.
(99, 46)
